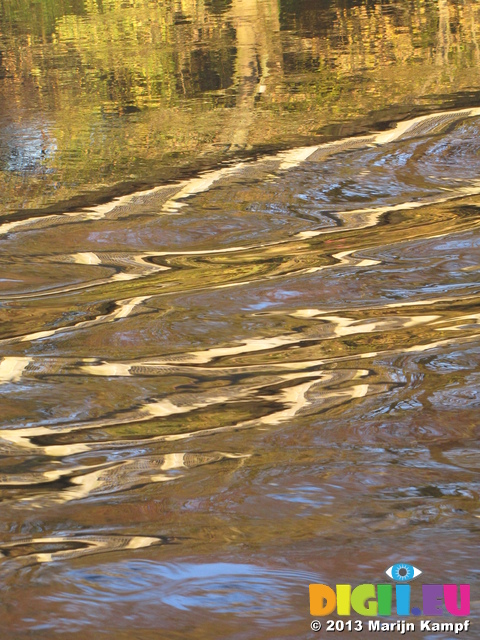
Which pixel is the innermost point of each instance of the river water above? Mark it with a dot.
(239, 303)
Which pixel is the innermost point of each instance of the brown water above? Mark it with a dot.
(239, 302)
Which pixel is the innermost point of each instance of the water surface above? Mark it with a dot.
(239, 303)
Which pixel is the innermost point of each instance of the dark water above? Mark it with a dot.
(239, 304)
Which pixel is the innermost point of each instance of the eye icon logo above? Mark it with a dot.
(402, 572)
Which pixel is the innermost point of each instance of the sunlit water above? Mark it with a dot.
(221, 388)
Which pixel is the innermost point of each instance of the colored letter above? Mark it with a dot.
(360, 595)
(322, 599)
(402, 591)
(450, 594)
(343, 599)
(384, 593)
(432, 596)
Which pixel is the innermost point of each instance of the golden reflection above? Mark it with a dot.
(163, 85)
(258, 278)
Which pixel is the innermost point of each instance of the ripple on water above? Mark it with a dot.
(269, 366)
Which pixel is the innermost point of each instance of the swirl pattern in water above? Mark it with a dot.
(218, 391)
